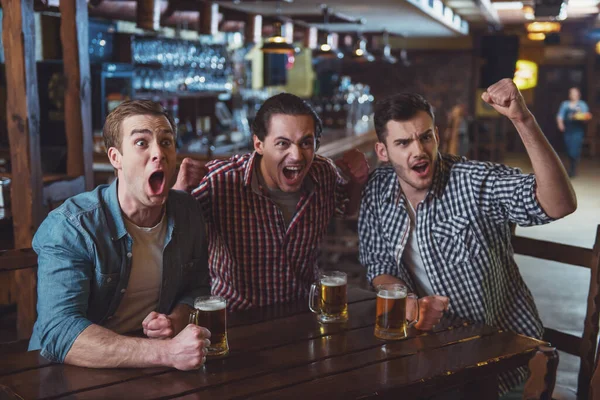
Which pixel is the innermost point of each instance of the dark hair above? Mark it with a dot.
(287, 104)
(112, 126)
(399, 107)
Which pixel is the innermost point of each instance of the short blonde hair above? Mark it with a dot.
(111, 132)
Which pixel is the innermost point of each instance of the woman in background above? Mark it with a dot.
(571, 118)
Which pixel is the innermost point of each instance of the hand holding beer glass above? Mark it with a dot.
(394, 310)
(328, 297)
(211, 313)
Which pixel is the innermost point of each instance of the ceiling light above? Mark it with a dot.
(360, 53)
(582, 3)
(387, 49)
(536, 36)
(508, 5)
(277, 44)
(528, 12)
(543, 27)
(329, 49)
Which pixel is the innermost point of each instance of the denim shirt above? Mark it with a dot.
(84, 261)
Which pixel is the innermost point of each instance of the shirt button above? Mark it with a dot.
(123, 290)
(129, 255)
(109, 280)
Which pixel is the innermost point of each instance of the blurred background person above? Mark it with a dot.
(571, 118)
(457, 132)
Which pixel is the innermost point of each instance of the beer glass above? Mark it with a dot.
(210, 312)
(328, 297)
(393, 311)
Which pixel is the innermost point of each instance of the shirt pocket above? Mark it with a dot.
(456, 240)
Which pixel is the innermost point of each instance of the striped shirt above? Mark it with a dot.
(463, 234)
(255, 258)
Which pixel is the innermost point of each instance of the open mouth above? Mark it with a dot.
(421, 167)
(292, 172)
(157, 182)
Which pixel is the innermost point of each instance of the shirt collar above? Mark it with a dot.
(440, 177)
(116, 222)
(249, 168)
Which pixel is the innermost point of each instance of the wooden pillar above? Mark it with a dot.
(253, 29)
(22, 111)
(311, 35)
(78, 94)
(147, 14)
(209, 19)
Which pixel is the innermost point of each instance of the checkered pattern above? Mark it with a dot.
(463, 233)
(254, 259)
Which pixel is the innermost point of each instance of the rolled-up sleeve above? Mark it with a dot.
(562, 110)
(506, 193)
(64, 272)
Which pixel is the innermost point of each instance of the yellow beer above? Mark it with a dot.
(211, 313)
(328, 298)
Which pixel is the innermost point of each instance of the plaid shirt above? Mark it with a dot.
(254, 258)
(463, 233)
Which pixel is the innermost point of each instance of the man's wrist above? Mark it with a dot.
(161, 353)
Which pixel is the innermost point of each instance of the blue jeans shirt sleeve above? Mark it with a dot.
(64, 271)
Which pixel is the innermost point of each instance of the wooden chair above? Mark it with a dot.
(583, 347)
(18, 285)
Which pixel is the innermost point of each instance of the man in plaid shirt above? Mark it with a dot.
(440, 224)
(267, 211)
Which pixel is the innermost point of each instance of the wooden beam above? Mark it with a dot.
(253, 29)
(74, 29)
(148, 14)
(22, 111)
(209, 19)
(311, 37)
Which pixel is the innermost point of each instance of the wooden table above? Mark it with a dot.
(283, 353)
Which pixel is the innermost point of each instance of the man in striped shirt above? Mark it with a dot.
(267, 211)
(440, 224)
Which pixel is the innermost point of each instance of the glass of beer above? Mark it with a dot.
(328, 297)
(210, 312)
(394, 311)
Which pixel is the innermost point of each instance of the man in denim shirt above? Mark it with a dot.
(124, 257)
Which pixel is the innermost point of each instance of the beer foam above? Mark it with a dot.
(333, 281)
(391, 294)
(210, 305)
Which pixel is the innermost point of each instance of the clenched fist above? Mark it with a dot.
(190, 174)
(354, 165)
(506, 98)
(188, 349)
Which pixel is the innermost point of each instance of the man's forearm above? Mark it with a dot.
(98, 347)
(554, 190)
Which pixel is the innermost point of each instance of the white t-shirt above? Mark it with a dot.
(145, 279)
(411, 257)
